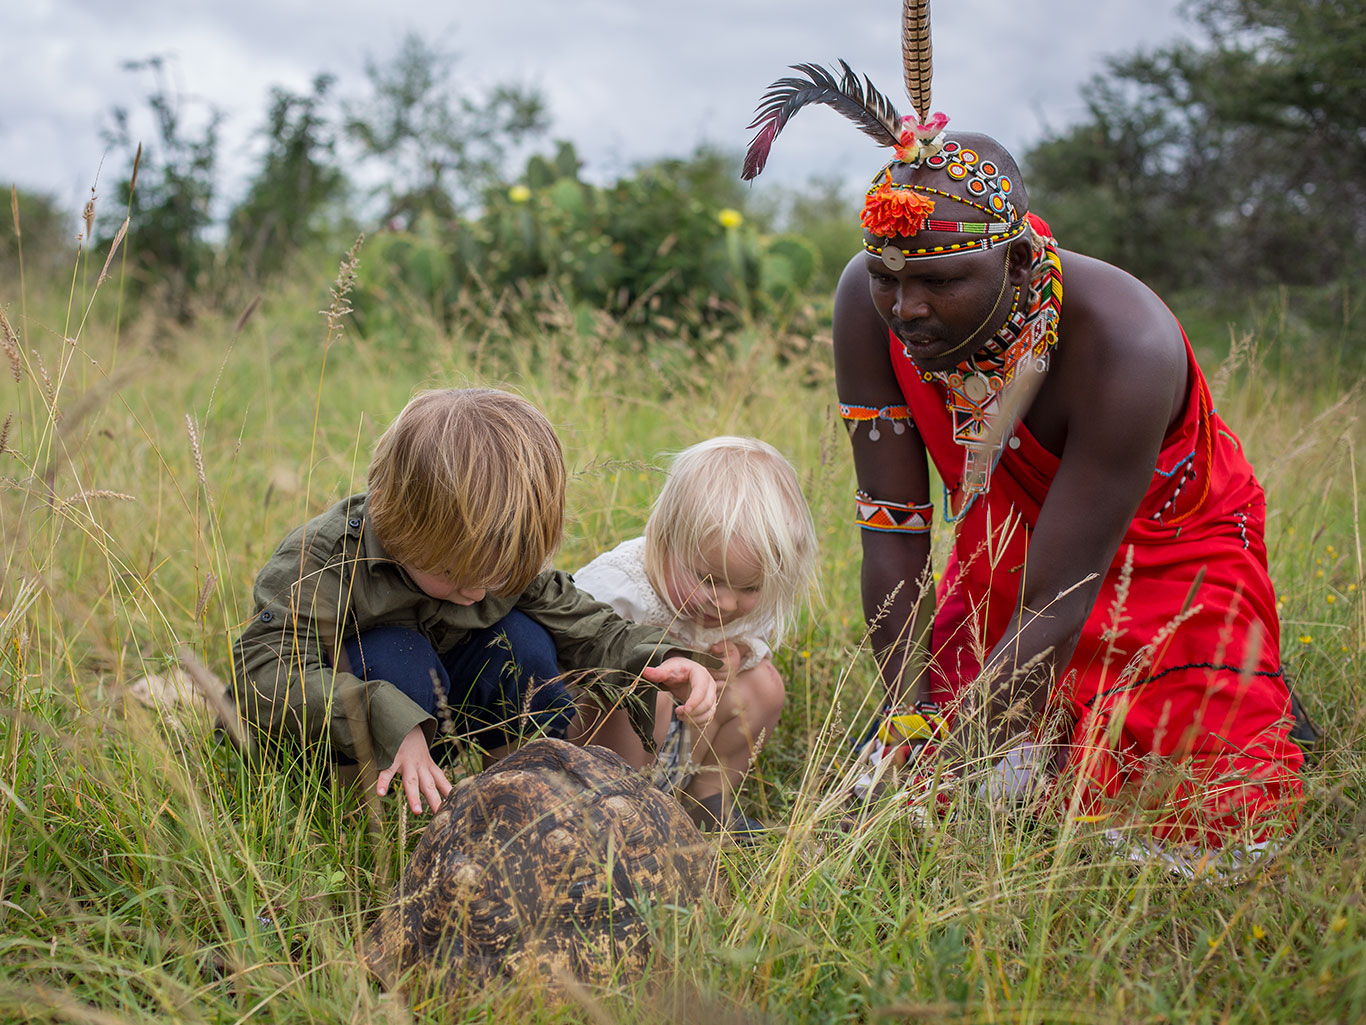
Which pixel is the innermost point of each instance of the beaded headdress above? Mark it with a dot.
(892, 210)
(895, 213)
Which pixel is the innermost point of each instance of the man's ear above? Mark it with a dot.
(1021, 261)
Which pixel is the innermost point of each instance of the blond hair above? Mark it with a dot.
(727, 492)
(469, 483)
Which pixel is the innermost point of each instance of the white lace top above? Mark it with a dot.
(618, 578)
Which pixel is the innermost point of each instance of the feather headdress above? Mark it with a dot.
(916, 55)
(858, 100)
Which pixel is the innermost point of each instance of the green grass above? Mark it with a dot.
(148, 874)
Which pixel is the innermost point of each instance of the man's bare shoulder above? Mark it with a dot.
(1120, 317)
(855, 313)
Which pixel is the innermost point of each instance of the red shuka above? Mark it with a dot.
(1184, 671)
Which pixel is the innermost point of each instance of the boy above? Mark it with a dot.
(429, 593)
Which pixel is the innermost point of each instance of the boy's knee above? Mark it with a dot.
(530, 645)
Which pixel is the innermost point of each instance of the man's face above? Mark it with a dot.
(942, 310)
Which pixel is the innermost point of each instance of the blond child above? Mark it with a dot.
(728, 554)
(428, 594)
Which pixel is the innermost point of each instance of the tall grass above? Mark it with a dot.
(148, 874)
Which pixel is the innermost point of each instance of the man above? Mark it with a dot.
(1109, 565)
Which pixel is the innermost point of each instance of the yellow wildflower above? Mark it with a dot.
(519, 194)
(730, 218)
(1306, 638)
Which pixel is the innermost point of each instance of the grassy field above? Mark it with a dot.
(147, 874)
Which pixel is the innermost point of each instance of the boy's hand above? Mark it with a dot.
(733, 653)
(690, 683)
(422, 777)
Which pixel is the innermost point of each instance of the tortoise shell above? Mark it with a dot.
(539, 864)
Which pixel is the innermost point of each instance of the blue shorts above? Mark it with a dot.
(498, 688)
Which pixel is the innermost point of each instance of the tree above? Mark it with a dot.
(168, 192)
(286, 204)
(1239, 161)
(43, 236)
(441, 148)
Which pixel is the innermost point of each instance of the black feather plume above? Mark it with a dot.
(857, 100)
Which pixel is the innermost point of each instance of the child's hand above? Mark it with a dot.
(690, 683)
(733, 654)
(422, 777)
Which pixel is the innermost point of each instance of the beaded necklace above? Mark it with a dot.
(973, 389)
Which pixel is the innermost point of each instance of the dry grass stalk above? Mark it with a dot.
(341, 288)
(204, 593)
(246, 315)
(80, 497)
(49, 389)
(88, 214)
(4, 433)
(212, 690)
(9, 339)
(113, 248)
(198, 453)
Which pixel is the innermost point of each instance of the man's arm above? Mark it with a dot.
(892, 468)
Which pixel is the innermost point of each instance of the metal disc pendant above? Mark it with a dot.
(893, 258)
(975, 388)
(874, 433)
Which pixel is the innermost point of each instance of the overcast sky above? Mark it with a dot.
(626, 80)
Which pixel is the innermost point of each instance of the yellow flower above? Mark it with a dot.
(1351, 587)
(730, 218)
(1258, 933)
(1306, 638)
(1331, 599)
(806, 654)
(1338, 924)
(519, 193)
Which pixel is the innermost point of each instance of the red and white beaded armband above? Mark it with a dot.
(873, 514)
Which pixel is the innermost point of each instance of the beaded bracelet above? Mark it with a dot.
(873, 514)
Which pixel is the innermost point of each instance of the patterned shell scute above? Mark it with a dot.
(539, 865)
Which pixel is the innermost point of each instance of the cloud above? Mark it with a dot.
(626, 80)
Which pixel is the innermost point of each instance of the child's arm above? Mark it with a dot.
(589, 635)
(289, 660)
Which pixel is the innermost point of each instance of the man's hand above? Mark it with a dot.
(422, 777)
(733, 654)
(690, 683)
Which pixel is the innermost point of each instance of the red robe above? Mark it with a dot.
(1199, 693)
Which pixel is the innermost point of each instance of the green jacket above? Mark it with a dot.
(331, 578)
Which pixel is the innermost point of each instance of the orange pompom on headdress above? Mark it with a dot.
(893, 211)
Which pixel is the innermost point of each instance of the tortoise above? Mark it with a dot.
(539, 865)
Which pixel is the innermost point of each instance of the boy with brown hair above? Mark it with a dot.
(429, 593)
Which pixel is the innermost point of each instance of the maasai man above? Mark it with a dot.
(1109, 567)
